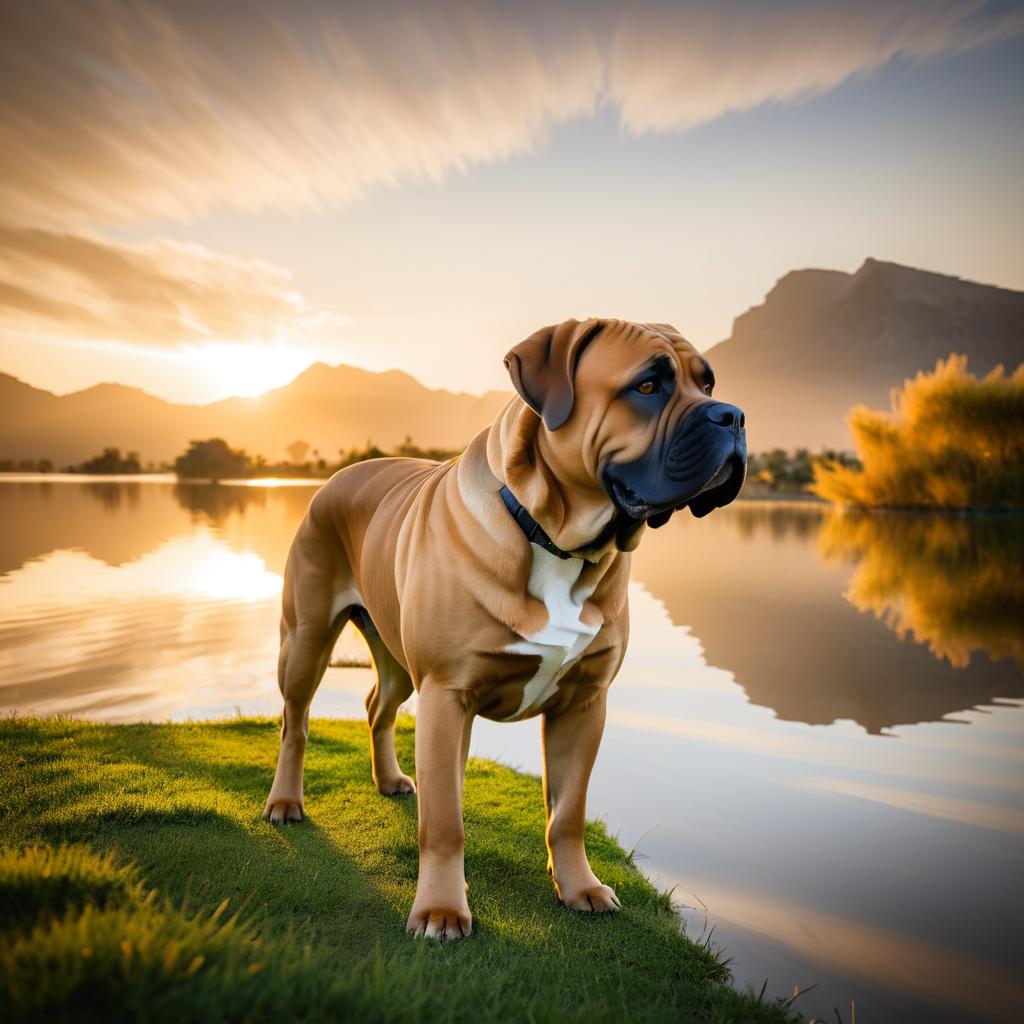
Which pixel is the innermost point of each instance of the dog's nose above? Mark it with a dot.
(724, 415)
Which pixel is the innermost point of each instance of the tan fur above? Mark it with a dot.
(426, 561)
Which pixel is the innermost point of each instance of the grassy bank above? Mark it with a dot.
(138, 881)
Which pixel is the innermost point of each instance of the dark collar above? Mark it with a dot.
(532, 530)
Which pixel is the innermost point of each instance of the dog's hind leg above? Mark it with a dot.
(392, 686)
(313, 615)
(303, 660)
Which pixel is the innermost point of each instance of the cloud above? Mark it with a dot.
(116, 111)
(673, 66)
(161, 293)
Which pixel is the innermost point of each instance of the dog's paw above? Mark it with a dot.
(442, 923)
(594, 899)
(282, 812)
(399, 785)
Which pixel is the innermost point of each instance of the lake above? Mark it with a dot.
(817, 737)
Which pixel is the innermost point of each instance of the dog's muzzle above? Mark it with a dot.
(702, 466)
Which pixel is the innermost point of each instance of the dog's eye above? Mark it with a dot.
(648, 387)
(709, 378)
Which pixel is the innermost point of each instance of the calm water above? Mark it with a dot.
(817, 736)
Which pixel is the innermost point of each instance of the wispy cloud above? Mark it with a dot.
(676, 65)
(968, 812)
(939, 974)
(116, 111)
(159, 293)
(120, 111)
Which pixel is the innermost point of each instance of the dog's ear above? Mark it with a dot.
(664, 329)
(543, 367)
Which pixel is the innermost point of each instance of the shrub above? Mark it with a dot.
(212, 460)
(952, 440)
(109, 460)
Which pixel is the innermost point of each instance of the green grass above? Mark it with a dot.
(138, 882)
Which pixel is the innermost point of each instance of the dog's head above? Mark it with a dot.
(630, 407)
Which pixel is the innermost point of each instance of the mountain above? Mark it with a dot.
(824, 341)
(329, 407)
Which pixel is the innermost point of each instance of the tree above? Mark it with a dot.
(212, 460)
(297, 451)
(110, 461)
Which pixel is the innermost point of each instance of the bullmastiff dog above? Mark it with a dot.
(495, 584)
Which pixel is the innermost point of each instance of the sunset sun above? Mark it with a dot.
(250, 368)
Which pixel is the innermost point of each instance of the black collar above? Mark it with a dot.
(532, 530)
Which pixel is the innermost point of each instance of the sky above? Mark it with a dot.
(203, 198)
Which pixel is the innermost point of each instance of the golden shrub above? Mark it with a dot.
(951, 440)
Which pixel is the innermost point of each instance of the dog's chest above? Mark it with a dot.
(564, 637)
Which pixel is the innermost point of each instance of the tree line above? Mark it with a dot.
(108, 461)
(215, 459)
(951, 440)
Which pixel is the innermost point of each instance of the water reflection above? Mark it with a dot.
(181, 626)
(813, 612)
(953, 584)
(136, 600)
(935, 982)
(779, 520)
(797, 632)
(880, 868)
(113, 522)
(113, 495)
(214, 503)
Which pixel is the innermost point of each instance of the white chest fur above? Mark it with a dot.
(564, 637)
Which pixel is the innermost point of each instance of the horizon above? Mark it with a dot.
(479, 393)
(261, 394)
(178, 223)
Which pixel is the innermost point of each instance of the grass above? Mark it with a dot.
(138, 881)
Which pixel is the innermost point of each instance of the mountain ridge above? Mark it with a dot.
(328, 407)
(824, 341)
(821, 342)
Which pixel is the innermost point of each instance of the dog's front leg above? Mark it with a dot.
(571, 740)
(443, 724)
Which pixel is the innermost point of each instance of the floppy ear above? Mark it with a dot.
(664, 329)
(543, 366)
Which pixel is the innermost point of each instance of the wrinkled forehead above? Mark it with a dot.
(622, 347)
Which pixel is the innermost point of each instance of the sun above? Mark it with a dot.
(249, 369)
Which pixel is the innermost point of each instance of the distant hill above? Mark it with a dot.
(824, 341)
(328, 407)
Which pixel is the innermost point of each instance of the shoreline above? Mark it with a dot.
(755, 495)
(166, 832)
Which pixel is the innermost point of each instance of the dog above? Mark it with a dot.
(495, 584)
